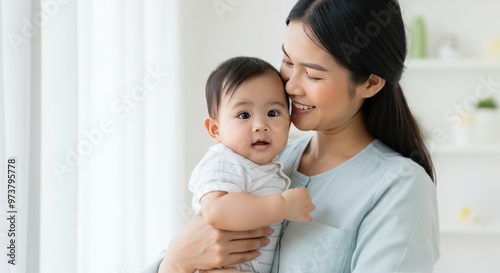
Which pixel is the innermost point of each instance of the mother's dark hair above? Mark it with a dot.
(368, 37)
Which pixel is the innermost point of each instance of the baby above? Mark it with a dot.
(239, 184)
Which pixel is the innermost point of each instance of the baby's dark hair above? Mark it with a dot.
(229, 75)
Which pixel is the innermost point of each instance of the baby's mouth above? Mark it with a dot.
(260, 142)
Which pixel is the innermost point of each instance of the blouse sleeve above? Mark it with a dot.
(401, 231)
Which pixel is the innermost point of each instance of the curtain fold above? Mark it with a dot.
(19, 136)
(129, 176)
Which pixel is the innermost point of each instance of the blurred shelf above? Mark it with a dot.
(465, 63)
(479, 149)
(471, 229)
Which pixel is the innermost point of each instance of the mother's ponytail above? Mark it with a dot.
(389, 119)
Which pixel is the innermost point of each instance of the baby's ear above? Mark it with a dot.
(212, 128)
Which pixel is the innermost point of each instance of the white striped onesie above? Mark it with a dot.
(223, 170)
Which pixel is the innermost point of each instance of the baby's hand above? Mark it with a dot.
(298, 204)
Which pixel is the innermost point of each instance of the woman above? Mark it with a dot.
(366, 167)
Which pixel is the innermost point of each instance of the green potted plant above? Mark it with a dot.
(487, 121)
(487, 103)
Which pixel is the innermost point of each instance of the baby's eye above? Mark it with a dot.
(273, 113)
(244, 115)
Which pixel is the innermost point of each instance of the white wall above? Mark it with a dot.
(467, 177)
(474, 22)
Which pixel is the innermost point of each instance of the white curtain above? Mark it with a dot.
(19, 137)
(89, 109)
(129, 178)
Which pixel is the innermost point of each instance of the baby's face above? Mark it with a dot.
(254, 121)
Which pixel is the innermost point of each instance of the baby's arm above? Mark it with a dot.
(242, 211)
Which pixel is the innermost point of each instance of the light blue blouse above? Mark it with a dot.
(376, 212)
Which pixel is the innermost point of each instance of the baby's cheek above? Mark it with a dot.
(282, 125)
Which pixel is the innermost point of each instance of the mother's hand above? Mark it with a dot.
(202, 246)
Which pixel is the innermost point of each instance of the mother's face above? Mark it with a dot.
(318, 87)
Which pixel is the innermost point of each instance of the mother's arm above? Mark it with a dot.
(202, 246)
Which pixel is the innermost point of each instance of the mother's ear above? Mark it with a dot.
(371, 87)
(212, 128)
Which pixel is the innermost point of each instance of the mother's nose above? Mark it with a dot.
(292, 85)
